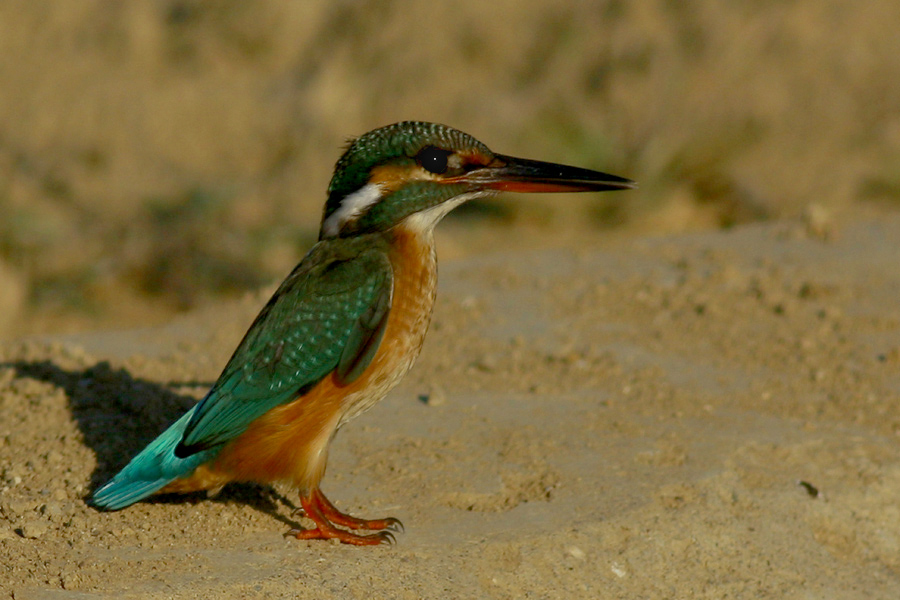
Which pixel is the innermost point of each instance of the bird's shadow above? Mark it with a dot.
(119, 414)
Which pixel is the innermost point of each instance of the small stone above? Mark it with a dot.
(487, 363)
(18, 507)
(34, 529)
(819, 222)
(435, 396)
(70, 579)
(52, 510)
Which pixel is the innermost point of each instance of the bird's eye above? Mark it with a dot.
(433, 159)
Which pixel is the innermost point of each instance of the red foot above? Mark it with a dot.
(331, 512)
(326, 515)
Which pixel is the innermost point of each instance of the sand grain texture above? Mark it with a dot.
(627, 421)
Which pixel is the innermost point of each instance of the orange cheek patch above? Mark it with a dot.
(391, 178)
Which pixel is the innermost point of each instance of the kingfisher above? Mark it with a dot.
(342, 330)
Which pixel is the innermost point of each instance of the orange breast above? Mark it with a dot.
(290, 443)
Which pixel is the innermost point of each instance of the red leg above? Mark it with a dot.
(337, 517)
(322, 512)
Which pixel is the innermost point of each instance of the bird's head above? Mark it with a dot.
(417, 172)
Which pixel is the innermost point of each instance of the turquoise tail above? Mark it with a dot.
(152, 469)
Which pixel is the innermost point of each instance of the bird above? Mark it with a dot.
(342, 329)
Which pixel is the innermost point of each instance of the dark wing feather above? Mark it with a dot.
(329, 314)
(364, 339)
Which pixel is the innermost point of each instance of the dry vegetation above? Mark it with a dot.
(154, 154)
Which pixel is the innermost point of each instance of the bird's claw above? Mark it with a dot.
(387, 537)
(394, 525)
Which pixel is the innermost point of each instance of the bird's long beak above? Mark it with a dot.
(509, 174)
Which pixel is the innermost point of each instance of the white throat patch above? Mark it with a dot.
(425, 220)
(351, 207)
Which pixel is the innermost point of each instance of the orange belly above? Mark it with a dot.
(290, 443)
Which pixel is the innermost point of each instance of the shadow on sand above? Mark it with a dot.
(118, 415)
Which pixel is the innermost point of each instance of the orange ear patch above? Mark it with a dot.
(391, 178)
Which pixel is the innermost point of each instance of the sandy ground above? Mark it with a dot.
(706, 416)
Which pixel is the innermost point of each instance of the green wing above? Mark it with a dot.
(328, 316)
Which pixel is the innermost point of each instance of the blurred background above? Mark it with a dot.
(159, 155)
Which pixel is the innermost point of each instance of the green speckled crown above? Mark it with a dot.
(396, 144)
